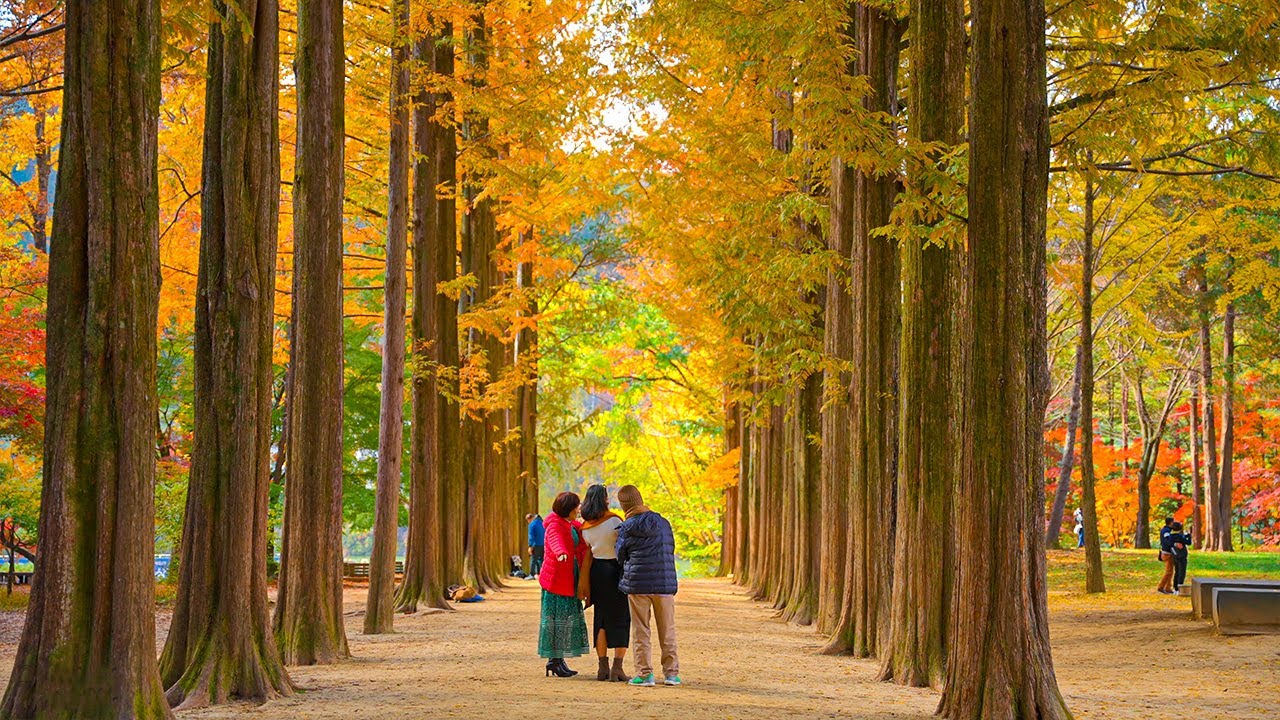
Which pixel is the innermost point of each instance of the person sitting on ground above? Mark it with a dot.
(1181, 551)
(563, 630)
(1165, 555)
(598, 585)
(537, 538)
(647, 550)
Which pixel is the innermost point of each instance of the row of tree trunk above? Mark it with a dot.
(87, 647)
(922, 537)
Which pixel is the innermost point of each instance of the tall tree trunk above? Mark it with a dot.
(1152, 436)
(308, 615)
(484, 553)
(863, 626)
(1197, 482)
(526, 360)
(88, 642)
(44, 171)
(1221, 537)
(1094, 581)
(221, 645)
(379, 610)
(999, 664)
(1053, 529)
(837, 406)
(915, 653)
(1211, 486)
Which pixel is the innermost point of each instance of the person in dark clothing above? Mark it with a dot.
(646, 549)
(537, 539)
(1166, 556)
(1181, 543)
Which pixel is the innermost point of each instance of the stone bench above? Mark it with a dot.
(1246, 611)
(1202, 592)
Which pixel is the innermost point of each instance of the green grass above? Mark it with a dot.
(1138, 570)
(16, 601)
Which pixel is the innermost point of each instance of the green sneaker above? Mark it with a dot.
(643, 681)
(672, 680)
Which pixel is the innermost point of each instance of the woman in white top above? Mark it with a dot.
(598, 584)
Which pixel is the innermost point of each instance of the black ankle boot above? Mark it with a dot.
(556, 666)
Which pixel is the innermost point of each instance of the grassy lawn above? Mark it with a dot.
(1138, 570)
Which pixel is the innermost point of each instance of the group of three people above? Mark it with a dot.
(625, 568)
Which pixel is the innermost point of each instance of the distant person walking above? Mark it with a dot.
(537, 539)
(1079, 515)
(647, 550)
(599, 583)
(563, 630)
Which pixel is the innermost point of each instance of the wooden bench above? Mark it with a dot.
(1202, 592)
(1246, 611)
(360, 570)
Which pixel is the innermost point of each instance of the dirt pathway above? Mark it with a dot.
(479, 662)
(1123, 656)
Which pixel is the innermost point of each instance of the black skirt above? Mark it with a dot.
(612, 612)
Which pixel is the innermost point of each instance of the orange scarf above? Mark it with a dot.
(587, 524)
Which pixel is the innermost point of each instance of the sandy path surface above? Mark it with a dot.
(1117, 657)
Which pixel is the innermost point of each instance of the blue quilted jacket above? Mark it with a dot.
(647, 551)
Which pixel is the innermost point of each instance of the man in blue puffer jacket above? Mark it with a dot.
(647, 551)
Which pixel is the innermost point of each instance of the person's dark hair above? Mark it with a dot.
(1168, 522)
(596, 503)
(565, 503)
(528, 516)
(1177, 526)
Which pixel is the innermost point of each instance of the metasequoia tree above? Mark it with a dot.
(864, 616)
(88, 642)
(1220, 528)
(837, 408)
(434, 554)
(998, 662)
(221, 645)
(308, 614)
(915, 651)
(1094, 581)
(490, 512)
(386, 523)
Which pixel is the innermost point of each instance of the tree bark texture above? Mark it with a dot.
(1220, 538)
(999, 664)
(1208, 427)
(1094, 580)
(863, 625)
(308, 614)
(380, 608)
(87, 648)
(915, 651)
(433, 555)
(221, 646)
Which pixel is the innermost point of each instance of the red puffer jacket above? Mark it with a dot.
(557, 576)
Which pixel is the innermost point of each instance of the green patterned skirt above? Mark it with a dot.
(563, 632)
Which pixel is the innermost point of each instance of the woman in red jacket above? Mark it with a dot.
(563, 631)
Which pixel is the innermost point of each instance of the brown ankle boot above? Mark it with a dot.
(616, 674)
(603, 672)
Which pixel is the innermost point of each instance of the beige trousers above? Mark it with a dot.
(663, 610)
